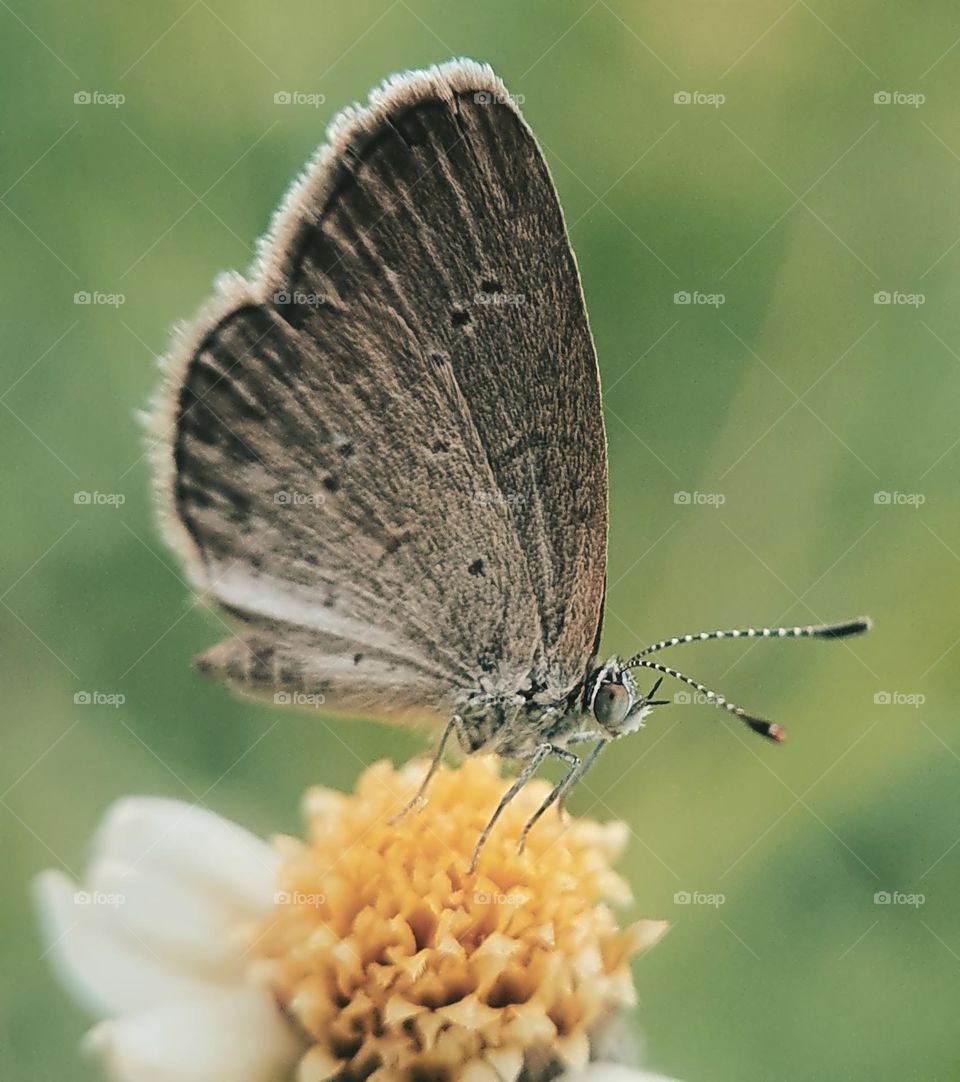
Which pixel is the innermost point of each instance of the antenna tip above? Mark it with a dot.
(848, 627)
(770, 729)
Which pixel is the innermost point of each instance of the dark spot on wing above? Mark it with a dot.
(331, 483)
(476, 568)
(357, 658)
(395, 542)
(346, 450)
(438, 358)
(261, 665)
(490, 285)
(460, 318)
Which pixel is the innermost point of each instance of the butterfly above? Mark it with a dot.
(383, 453)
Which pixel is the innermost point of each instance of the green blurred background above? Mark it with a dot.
(798, 399)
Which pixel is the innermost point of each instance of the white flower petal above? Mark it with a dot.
(195, 929)
(612, 1072)
(239, 1036)
(103, 966)
(172, 840)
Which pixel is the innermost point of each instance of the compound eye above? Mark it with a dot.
(611, 705)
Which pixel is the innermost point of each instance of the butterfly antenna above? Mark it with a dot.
(758, 725)
(811, 631)
(766, 728)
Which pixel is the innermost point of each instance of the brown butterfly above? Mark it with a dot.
(383, 452)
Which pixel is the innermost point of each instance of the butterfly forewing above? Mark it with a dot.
(387, 454)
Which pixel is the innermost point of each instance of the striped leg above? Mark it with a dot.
(543, 750)
(577, 768)
(455, 724)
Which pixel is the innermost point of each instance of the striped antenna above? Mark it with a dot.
(758, 725)
(811, 631)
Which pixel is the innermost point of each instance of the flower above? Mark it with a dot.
(154, 945)
(365, 951)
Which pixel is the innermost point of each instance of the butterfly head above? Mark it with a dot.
(617, 705)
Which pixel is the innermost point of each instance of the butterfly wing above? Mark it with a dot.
(385, 453)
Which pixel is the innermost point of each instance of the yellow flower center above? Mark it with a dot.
(395, 963)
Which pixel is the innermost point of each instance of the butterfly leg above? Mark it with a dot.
(542, 751)
(577, 768)
(454, 725)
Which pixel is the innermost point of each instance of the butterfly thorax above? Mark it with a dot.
(514, 725)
